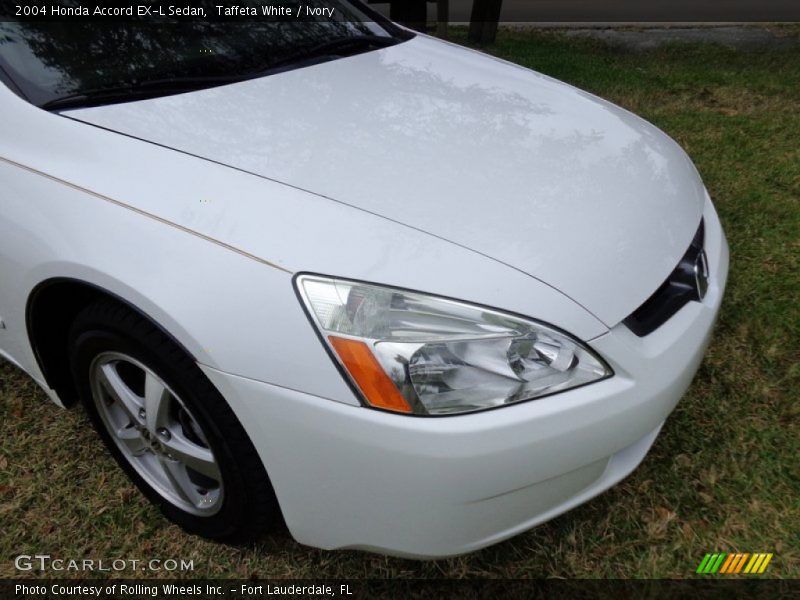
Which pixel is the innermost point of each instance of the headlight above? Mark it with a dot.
(415, 353)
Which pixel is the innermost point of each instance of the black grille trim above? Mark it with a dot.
(679, 289)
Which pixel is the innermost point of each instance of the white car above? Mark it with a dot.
(400, 294)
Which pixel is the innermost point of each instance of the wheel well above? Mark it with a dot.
(52, 307)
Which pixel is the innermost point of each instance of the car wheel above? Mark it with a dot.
(168, 427)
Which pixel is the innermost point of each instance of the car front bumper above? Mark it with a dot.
(350, 477)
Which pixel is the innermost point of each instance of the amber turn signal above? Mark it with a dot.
(368, 375)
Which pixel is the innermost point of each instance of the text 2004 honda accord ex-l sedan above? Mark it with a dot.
(411, 298)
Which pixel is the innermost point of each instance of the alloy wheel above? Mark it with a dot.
(156, 433)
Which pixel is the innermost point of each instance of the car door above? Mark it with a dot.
(13, 243)
(11, 329)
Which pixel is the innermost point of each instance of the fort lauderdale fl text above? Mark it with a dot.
(180, 591)
(265, 10)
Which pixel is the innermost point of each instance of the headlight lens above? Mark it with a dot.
(415, 353)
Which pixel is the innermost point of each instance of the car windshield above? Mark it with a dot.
(84, 63)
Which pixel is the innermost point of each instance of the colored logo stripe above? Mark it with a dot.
(727, 564)
(710, 563)
(734, 563)
(703, 564)
(763, 564)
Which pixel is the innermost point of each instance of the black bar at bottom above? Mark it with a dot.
(690, 589)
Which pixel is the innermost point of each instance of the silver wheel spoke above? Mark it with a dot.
(131, 439)
(121, 393)
(180, 482)
(193, 456)
(156, 402)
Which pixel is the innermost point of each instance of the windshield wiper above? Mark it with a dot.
(138, 91)
(338, 47)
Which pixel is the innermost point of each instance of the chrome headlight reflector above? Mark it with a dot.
(417, 353)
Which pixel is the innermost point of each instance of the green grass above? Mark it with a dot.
(723, 476)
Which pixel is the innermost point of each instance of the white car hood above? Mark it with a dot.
(550, 180)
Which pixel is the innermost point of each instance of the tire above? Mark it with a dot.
(189, 455)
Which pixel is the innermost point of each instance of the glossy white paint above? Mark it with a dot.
(550, 180)
(97, 237)
(367, 168)
(438, 487)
